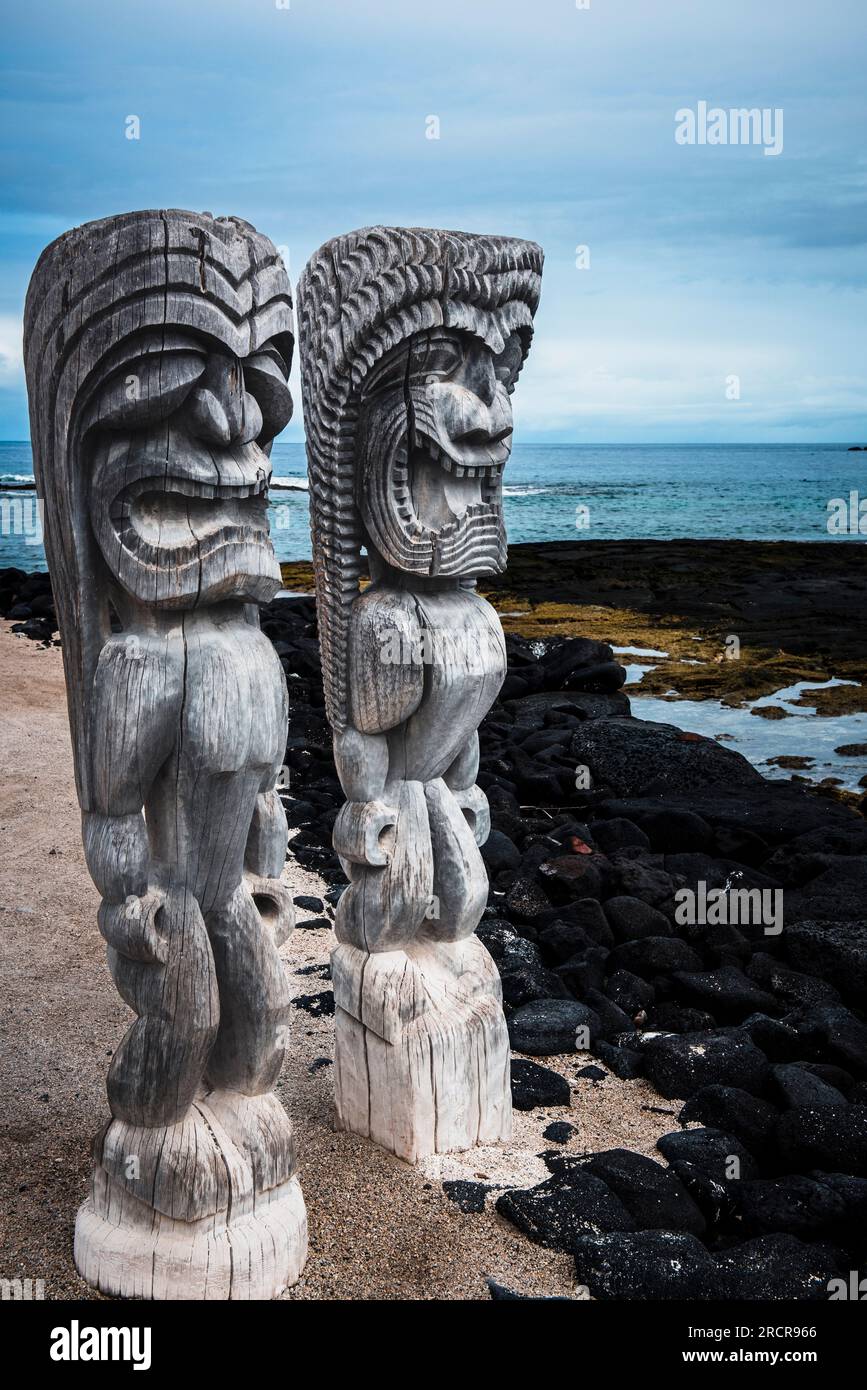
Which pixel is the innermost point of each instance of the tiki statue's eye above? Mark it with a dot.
(508, 363)
(265, 377)
(434, 358)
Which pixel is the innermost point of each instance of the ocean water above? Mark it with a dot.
(614, 492)
(570, 491)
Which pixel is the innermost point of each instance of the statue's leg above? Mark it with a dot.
(254, 998)
(248, 1053)
(421, 1047)
(194, 1193)
(158, 1067)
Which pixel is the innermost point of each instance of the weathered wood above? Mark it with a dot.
(411, 342)
(157, 348)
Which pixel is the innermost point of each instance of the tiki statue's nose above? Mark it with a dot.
(220, 410)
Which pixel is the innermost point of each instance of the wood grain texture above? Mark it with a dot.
(157, 349)
(411, 344)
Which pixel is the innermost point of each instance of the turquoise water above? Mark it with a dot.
(745, 491)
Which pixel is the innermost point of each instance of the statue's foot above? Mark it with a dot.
(260, 1129)
(204, 1209)
(421, 1048)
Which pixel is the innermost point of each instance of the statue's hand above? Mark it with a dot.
(364, 832)
(130, 927)
(474, 804)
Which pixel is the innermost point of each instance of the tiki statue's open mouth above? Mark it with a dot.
(179, 523)
(444, 492)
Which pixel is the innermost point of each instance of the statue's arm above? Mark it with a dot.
(364, 828)
(461, 779)
(386, 685)
(265, 853)
(137, 695)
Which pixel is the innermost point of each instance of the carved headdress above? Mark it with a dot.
(158, 289)
(360, 297)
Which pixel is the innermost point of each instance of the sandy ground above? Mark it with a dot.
(379, 1229)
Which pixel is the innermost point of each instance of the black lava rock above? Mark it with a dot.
(558, 1212)
(793, 988)
(499, 852)
(563, 940)
(469, 1196)
(548, 1026)
(736, 1112)
(611, 1019)
(534, 1085)
(778, 1267)
(836, 952)
(655, 955)
(309, 904)
(838, 894)
(559, 1132)
(525, 983)
(629, 992)
(317, 1005)
(675, 831)
(836, 1035)
(727, 992)
(525, 900)
(573, 877)
(825, 1136)
(645, 1265)
(677, 1018)
(634, 758)
(584, 972)
(796, 1206)
(716, 1198)
(624, 1062)
(617, 833)
(778, 1040)
(711, 1152)
(652, 1194)
(630, 919)
(680, 1065)
(794, 1086)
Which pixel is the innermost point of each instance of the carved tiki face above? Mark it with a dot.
(435, 431)
(180, 469)
(179, 436)
(411, 342)
(157, 347)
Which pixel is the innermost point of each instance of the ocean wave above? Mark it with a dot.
(289, 485)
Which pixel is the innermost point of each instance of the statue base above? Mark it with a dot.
(204, 1209)
(421, 1048)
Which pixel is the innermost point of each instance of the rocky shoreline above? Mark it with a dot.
(611, 837)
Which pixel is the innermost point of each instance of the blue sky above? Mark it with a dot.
(556, 123)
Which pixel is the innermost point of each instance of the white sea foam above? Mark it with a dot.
(289, 485)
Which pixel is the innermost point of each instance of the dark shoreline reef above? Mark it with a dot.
(759, 1037)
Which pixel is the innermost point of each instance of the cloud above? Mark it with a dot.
(11, 352)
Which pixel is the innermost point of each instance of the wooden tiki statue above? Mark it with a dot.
(411, 342)
(157, 348)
